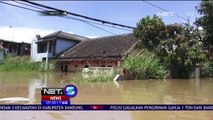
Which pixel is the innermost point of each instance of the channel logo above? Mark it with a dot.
(70, 91)
(58, 96)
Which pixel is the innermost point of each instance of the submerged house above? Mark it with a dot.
(15, 48)
(99, 52)
(53, 44)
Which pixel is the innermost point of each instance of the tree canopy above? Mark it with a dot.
(179, 47)
(206, 10)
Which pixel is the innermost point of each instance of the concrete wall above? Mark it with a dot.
(79, 65)
(33, 53)
(37, 57)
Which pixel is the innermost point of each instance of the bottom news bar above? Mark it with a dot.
(208, 107)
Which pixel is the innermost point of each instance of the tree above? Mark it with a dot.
(178, 46)
(206, 10)
(150, 31)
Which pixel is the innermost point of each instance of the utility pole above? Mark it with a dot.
(46, 63)
(10, 33)
(188, 21)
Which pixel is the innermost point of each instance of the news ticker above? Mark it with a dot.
(111, 107)
(58, 96)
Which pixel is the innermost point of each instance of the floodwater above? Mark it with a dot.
(24, 88)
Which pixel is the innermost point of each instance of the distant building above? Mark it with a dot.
(57, 43)
(99, 52)
(15, 48)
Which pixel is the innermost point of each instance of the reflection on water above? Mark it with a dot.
(14, 99)
(24, 88)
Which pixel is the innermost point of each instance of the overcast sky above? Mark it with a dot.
(26, 24)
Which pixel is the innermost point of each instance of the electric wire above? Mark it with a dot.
(59, 16)
(79, 15)
(72, 18)
(19, 6)
(164, 9)
(76, 18)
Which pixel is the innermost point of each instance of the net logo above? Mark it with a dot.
(52, 91)
(70, 91)
(58, 96)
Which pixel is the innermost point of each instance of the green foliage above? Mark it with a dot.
(207, 70)
(150, 31)
(145, 66)
(41, 66)
(24, 64)
(179, 47)
(92, 78)
(183, 52)
(206, 10)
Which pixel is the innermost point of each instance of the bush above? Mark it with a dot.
(23, 64)
(145, 66)
(207, 70)
(92, 78)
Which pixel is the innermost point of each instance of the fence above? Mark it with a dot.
(1, 56)
(99, 70)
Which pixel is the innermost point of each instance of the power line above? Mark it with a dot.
(164, 9)
(19, 6)
(112, 26)
(72, 18)
(59, 16)
(78, 19)
(87, 22)
(40, 8)
(103, 24)
(78, 15)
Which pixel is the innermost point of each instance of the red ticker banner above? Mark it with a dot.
(47, 97)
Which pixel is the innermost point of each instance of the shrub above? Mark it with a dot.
(145, 66)
(24, 64)
(207, 70)
(94, 78)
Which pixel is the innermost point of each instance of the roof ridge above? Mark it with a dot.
(125, 34)
(65, 35)
(58, 32)
(71, 34)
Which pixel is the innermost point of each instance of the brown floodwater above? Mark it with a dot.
(25, 88)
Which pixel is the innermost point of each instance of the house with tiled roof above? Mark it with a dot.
(107, 51)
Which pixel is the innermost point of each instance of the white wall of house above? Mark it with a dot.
(36, 57)
(33, 50)
(61, 45)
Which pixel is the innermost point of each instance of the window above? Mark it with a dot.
(76, 66)
(44, 59)
(42, 47)
(51, 47)
(102, 65)
(86, 66)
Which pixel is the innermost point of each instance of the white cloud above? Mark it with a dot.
(22, 34)
(91, 36)
(71, 32)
